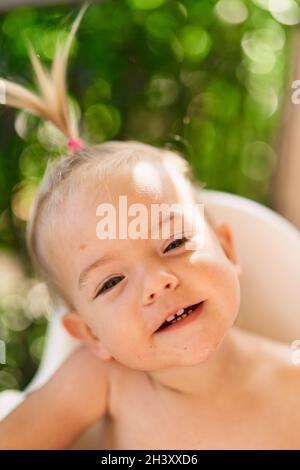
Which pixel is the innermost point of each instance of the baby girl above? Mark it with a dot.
(161, 362)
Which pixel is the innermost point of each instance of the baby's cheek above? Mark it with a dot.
(119, 335)
(227, 290)
(218, 282)
(104, 328)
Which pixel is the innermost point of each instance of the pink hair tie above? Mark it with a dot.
(75, 144)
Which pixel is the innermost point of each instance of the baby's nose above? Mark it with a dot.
(158, 286)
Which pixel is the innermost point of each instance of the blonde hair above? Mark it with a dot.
(65, 172)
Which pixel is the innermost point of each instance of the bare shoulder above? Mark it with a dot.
(275, 381)
(105, 380)
(84, 361)
(83, 382)
(284, 374)
(268, 356)
(85, 367)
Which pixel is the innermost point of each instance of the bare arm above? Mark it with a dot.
(53, 416)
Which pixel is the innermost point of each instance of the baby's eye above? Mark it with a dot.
(109, 284)
(175, 244)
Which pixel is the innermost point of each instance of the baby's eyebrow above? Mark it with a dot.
(110, 256)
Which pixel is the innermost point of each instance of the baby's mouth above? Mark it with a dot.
(183, 313)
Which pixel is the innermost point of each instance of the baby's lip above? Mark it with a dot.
(174, 311)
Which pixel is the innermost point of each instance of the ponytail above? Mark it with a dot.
(51, 101)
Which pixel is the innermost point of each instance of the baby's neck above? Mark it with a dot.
(205, 378)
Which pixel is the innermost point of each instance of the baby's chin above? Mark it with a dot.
(199, 354)
(193, 349)
(186, 359)
(189, 355)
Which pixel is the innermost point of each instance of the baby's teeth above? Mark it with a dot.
(170, 317)
(180, 312)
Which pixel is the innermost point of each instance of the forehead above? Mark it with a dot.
(144, 182)
(147, 182)
(73, 229)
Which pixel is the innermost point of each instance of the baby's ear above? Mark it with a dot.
(77, 328)
(224, 233)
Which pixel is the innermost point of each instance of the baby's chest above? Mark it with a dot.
(147, 421)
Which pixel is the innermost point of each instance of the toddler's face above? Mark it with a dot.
(136, 284)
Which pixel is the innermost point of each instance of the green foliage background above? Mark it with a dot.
(168, 73)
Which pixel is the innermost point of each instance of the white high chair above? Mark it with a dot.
(268, 248)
